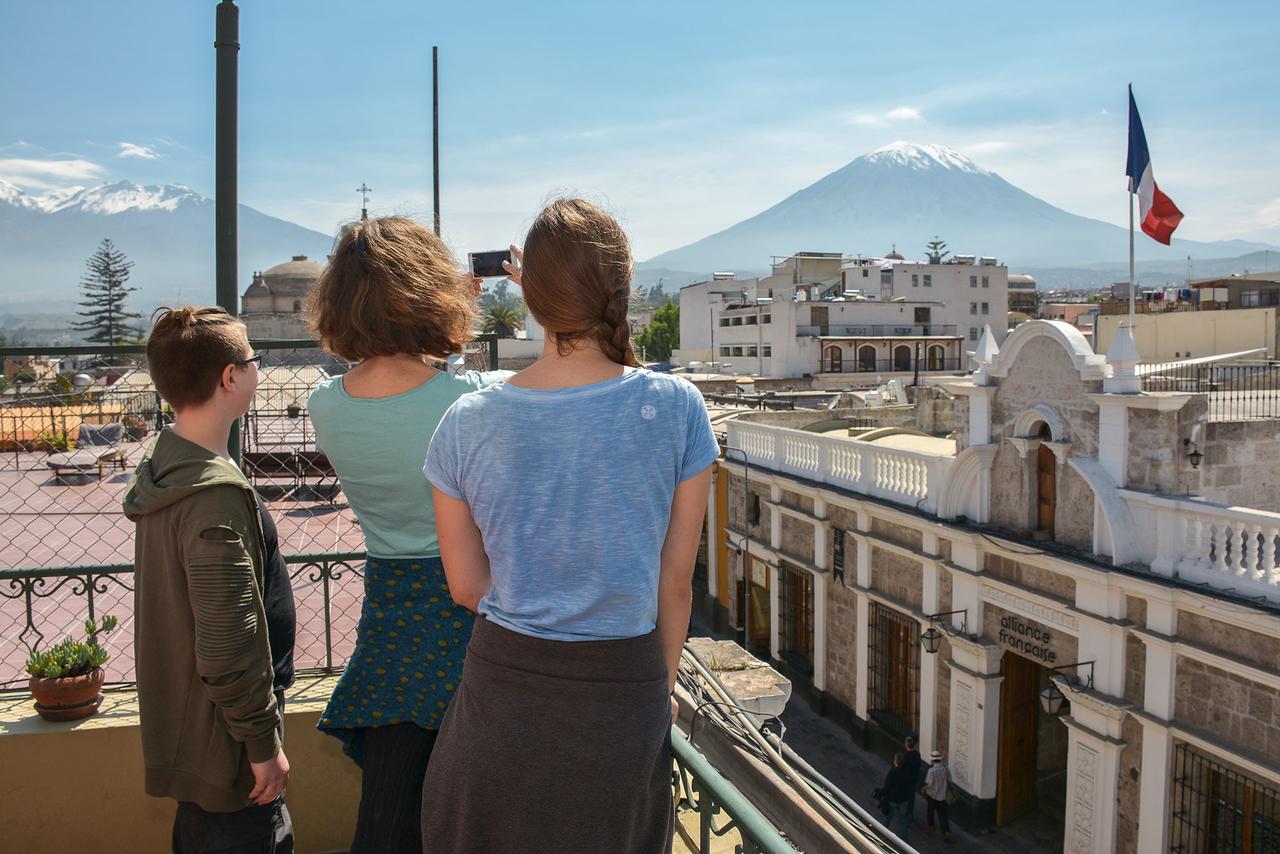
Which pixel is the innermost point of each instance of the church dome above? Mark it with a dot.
(294, 277)
(258, 288)
(894, 255)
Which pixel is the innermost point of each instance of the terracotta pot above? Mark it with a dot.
(68, 699)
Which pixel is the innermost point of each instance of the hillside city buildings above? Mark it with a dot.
(1067, 584)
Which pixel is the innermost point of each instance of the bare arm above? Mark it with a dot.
(675, 583)
(466, 565)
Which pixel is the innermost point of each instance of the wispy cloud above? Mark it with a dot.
(980, 149)
(47, 174)
(142, 152)
(881, 119)
(1269, 214)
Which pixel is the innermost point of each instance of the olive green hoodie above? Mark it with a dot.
(204, 665)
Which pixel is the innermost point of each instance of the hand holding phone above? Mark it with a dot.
(487, 265)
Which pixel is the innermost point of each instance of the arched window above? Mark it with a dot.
(866, 358)
(902, 358)
(1046, 481)
(834, 361)
(936, 358)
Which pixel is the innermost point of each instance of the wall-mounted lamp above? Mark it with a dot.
(931, 638)
(1194, 455)
(1052, 699)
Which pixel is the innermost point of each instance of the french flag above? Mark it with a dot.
(1159, 215)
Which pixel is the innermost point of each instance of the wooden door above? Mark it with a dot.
(722, 537)
(761, 631)
(1019, 716)
(1046, 488)
(818, 317)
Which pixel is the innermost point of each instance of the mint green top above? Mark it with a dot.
(377, 446)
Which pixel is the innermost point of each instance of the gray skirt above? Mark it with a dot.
(553, 746)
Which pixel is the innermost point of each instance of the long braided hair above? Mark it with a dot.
(577, 278)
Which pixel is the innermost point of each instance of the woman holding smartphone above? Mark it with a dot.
(569, 502)
(391, 299)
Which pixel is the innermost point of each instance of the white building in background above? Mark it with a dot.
(820, 313)
(273, 304)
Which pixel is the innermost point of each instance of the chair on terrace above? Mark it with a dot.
(97, 447)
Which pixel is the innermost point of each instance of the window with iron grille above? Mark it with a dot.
(893, 668)
(1216, 809)
(795, 634)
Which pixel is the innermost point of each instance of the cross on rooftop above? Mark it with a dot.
(364, 190)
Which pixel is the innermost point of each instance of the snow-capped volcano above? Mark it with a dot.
(923, 157)
(107, 199)
(905, 193)
(166, 230)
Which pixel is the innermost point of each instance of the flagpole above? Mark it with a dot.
(1133, 285)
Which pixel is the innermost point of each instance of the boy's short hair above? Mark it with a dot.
(391, 287)
(188, 349)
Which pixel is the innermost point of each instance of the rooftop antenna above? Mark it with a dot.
(364, 190)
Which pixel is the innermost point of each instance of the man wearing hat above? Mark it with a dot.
(937, 788)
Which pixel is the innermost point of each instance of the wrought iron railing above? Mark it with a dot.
(907, 364)
(1238, 391)
(720, 809)
(66, 547)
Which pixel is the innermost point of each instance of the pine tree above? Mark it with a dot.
(105, 289)
(937, 250)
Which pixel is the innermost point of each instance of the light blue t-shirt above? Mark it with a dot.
(572, 490)
(377, 445)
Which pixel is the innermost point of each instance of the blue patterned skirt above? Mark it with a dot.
(410, 644)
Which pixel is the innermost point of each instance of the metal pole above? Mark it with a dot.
(435, 134)
(1133, 285)
(227, 45)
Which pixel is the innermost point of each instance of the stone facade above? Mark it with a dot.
(1128, 787)
(1053, 584)
(896, 533)
(842, 643)
(1241, 464)
(1229, 641)
(896, 576)
(1234, 709)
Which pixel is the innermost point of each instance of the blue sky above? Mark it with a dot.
(683, 118)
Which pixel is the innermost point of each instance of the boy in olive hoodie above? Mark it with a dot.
(214, 610)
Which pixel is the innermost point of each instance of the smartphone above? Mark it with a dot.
(489, 264)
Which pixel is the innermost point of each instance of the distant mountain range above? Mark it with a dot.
(167, 231)
(903, 194)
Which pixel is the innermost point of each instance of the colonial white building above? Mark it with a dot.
(1075, 595)
(851, 320)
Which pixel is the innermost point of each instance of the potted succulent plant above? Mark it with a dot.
(66, 679)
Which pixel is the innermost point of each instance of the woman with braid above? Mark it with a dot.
(568, 502)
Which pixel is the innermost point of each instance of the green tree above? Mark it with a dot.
(662, 335)
(936, 249)
(502, 319)
(105, 287)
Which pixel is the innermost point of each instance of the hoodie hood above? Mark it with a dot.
(173, 469)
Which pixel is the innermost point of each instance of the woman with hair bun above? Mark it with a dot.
(569, 502)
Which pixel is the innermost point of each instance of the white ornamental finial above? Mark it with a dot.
(985, 355)
(1123, 358)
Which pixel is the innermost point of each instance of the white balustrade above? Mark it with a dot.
(1231, 548)
(906, 477)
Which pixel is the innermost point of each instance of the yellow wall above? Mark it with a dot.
(1161, 337)
(78, 787)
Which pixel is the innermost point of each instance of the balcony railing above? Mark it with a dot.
(906, 477)
(701, 788)
(1238, 391)
(879, 330)
(940, 364)
(1227, 548)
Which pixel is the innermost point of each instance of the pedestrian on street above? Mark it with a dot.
(898, 790)
(938, 794)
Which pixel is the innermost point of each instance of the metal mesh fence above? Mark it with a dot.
(73, 425)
